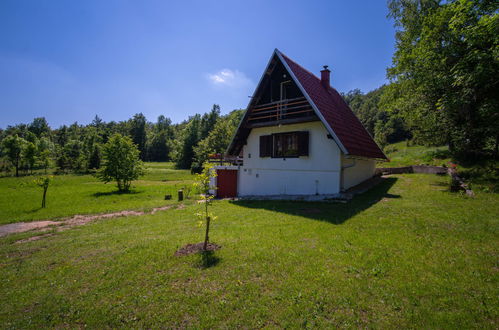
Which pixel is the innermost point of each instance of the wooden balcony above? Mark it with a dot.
(221, 159)
(281, 112)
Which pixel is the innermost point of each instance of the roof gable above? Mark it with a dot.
(345, 128)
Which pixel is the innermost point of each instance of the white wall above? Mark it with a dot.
(317, 173)
(361, 171)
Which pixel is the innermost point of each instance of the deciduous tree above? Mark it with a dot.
(446, 66)
(13, 147)
(121, 162)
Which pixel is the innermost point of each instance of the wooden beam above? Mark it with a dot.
(278, 103)
(284, 122)
(281, 114)
(284, 110)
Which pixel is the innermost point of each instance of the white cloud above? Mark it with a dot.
(231, 78)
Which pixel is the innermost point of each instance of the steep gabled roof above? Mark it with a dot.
(346, 129)
(336, 112)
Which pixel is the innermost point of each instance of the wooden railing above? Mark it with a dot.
(221, 159)
(279, 110)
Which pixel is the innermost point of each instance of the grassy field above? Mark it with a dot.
(407, 254)
(20, 199)
(400, 154)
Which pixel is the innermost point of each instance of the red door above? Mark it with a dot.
(226, 183)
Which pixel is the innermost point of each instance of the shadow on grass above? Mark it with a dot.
(116, 192)
(335, 213)
(34, 210)
(207, 259)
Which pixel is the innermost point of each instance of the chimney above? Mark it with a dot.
(325, 77)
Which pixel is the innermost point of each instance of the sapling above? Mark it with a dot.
(44, 183)
(203, 183)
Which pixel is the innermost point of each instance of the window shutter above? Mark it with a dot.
(265, 145)
(303, 143)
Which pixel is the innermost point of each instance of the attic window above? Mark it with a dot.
(284, 145)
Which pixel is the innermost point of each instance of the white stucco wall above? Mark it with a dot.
(361, 171)
(319, 173)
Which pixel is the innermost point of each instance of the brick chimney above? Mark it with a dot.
(325, 77)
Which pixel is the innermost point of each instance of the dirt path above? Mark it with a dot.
(74, 221)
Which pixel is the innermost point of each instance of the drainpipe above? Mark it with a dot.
(342, 172)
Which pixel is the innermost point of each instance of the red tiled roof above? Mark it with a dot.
(347, 127)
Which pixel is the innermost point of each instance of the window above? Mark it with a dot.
(284, 145)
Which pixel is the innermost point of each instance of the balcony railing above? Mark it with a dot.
(221, 159)
(281, 110)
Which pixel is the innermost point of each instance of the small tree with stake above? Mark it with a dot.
(204, 184)
(44, 183)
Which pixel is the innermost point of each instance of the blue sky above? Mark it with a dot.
(70, 60)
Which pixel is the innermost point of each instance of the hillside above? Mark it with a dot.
(482, 174)
(405, 154)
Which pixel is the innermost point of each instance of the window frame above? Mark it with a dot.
(268, 145)
(282, 137)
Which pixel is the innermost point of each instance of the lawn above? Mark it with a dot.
(407, 254)
(70, 194)
(402, 154)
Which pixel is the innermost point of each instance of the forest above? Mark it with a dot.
(78, 148)
(442, 90)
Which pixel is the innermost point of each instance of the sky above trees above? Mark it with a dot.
(68, 61)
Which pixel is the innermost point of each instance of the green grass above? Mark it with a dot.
(482, 174)
(407, 254)
(67, 195)
(402, 155)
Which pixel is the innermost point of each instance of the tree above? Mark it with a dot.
(95, 158)
(44, 152)
(121, 162)
(74, 156)
(39, 126)
(203, 182)
(445, 68)
(138, 133)
(159, 140)
(163, 123)
(158, 147)
(189, 139)
(29, 155)
(217, 140)
(44, 183)
(13, 147)
(97, 122)
(208, 121)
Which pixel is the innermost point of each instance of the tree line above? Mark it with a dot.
(78, 148)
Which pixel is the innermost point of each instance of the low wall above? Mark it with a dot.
(412, 169)
(457, 182)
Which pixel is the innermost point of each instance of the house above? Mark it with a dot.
(297, 137)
